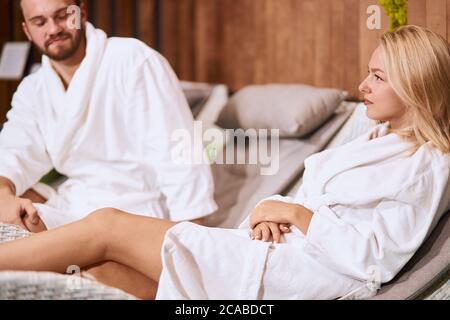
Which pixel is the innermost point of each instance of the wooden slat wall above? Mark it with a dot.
(433, 14)
(437, 16)
(125, 12)
(178, 35)
(5, 35)
(101, 15)
(242, 42)
(448, 20)
(317, 42)
(11, 30)
(147, 21)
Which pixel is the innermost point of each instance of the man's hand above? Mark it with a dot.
(20, 212)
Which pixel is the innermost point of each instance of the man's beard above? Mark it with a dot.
(67, 53)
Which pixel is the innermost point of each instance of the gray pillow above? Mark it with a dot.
(296, 110)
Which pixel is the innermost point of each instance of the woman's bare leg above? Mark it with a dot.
(125, 278)
(107, 235)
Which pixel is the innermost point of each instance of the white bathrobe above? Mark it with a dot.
(373, 207)
(110, 133)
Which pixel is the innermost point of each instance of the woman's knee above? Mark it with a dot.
(102, 222)
(103, 219)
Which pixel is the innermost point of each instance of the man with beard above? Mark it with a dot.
(102, 112)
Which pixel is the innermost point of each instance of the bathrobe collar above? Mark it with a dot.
(362, 152)
(70, 107)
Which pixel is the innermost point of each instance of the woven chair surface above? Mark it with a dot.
(50, 286)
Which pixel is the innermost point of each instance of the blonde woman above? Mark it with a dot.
(363, 211)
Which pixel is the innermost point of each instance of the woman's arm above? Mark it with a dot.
(282, 212)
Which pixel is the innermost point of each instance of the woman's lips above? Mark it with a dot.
(367, 102)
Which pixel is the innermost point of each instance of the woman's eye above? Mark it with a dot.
(377, 77)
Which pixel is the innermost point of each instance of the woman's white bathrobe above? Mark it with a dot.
(110, 133)
(373, 207)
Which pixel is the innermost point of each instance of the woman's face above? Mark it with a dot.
(382, 103)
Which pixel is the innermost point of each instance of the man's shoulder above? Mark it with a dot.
(131, 50)
(31, 83)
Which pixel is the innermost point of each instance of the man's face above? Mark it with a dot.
(47, 26)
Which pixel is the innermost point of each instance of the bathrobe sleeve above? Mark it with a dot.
(188, 187)
(23, 156)
(383, 244)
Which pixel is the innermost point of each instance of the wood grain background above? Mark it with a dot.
(242, 42)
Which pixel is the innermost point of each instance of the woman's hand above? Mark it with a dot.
(281, 212)
(269, 232)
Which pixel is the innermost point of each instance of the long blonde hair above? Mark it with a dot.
(418, 66)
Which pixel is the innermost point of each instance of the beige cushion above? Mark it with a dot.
(296, 110)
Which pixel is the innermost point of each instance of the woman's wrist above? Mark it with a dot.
(302, 218)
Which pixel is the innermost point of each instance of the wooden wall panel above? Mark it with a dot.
(316, 42)
(280, 47)
(243, 46)
(177, 35)
(124, 19)
(5, 35)
(146, 21)
(207, 53)
(417, 12)
(242, 42)
(186, 38)
(5, 21)
(17, 29)
(102, 15)
(433, 14)
(322, 44)
(351, 45)
(304, 41)
(12, 30)
(436, 12)
(448, 20)
(337, 40)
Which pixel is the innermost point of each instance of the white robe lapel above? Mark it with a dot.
(70, 108)
(357, 154)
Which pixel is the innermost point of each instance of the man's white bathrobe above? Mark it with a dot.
(373, 207)
(110, 133)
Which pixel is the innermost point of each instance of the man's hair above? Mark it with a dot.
(77, 2)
